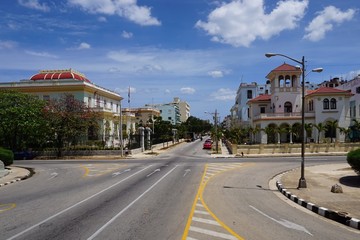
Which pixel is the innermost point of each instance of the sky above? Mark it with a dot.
(197, 50)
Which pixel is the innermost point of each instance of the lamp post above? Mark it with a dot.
(302, 180)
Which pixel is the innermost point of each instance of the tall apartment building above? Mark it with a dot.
(175, 112)
(246, 92)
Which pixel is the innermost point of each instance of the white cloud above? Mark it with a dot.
(239, 23)
(41, 54)
(125, 90)
(187, 90)
(123, 8)
(83, 45)
(325, 21)
(102, 19)
(34, 4)
(7, 44)
(167, 91)
(224, 94)
(126, 34)
(216, 74)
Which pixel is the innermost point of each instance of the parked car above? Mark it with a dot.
(207, 145)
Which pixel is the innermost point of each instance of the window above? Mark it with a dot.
(89, 102)
(262, 109)
(326, 103)
(358, 90)
(311, 105)
(249, 94)
(333, 103)
(288, 107)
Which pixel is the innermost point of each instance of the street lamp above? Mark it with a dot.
(216, 131)
(302, 180)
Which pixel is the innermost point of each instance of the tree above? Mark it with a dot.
(346, 132)
(22, 121)
(331, 127)
(320, 128)
(269, 131)
(69, 121)
(308, 129)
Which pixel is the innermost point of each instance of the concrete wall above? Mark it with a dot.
(287, 148)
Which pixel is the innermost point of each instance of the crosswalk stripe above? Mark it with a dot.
(203, 220)
(213, 233)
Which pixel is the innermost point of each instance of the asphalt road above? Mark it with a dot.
(181, 194)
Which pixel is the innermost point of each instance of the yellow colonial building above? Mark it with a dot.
(52, 84)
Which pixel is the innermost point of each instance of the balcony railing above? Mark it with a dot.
(293, 115)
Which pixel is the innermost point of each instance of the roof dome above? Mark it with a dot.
(59, 74)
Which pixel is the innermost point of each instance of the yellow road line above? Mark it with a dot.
(187, 227)
(6, 207)
(87, 170)
(199, 196)
(215, 217)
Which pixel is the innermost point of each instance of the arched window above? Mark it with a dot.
(326, 103)
(333, 103)
(288, 107)
(287, 81)
(293, 81)
(311, 105)
(281, 81)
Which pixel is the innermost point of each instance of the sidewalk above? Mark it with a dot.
(15, 174)
(317, 197)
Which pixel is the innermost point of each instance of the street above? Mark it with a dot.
(183, 193)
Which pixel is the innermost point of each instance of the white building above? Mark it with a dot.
(283, 107)
(246, 92)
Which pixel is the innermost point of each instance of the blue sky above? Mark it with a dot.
(198, 50)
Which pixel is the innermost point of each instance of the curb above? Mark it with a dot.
(16, 179)
(333, 215)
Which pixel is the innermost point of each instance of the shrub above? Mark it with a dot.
(6, 156)
(353, 158)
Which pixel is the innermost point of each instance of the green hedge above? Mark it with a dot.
(6, 156)
(353, 158)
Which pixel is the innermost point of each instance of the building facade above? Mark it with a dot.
(282, 109)
(246, 92)
(52, 84)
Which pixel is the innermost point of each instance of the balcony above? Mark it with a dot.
(275, 116)
(102, 109)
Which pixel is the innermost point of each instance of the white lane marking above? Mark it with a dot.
(128, 206)
(186, 172)
(213, 233)
(201, 212)
(203, 220)
(119, 173)
(53, 175)
(156, 170)
(75, 205)
(284, 222)
(190, 238)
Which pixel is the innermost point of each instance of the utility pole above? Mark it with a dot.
(216, 133)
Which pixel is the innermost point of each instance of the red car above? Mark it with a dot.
(207, 145)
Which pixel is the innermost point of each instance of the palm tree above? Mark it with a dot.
(320, 128)
(355, 129)
(268, 130)
(308, 128)
(345, 131)
(331, 127)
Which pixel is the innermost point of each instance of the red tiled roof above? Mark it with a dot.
(286, 67)
(329, 91)
(59, 74)
(261, 98)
